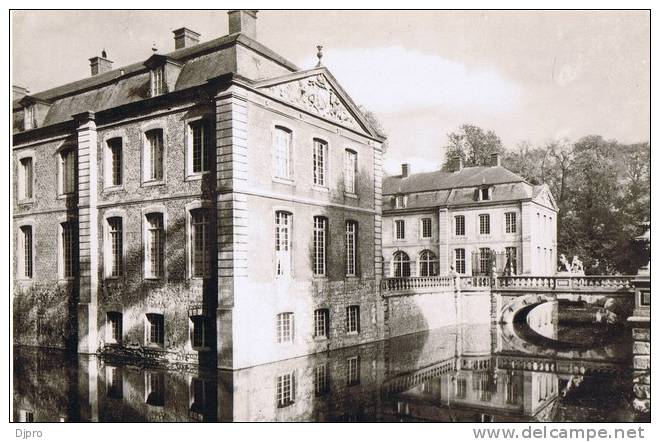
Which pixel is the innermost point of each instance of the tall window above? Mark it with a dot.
(67, 172)
(400, 228)
(484, 260)
(155, 329)
(484, 224)
(426, 228)
(350, 170)
(321, 323)
(459, 224)
(201, 331)
(510, 222)
(459, 259)
(353, 371)
(282, 153)
(68, 249)
(320, 152)
(200, 146)
(153, 155)
(512, 260)
(351, 248)
(283, 242)
(25, 179)
(286, 390)
(155, 245)
(201, 244)
(353, 319)
(114, 171)
(116, 243)
(401, 264)
(320, 240)
(28, 117)
(285, 327)
(158, 81)
(321, 384)
(26, 245)
(428, 263)
(114, 324)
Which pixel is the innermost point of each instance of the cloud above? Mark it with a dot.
(395, 80)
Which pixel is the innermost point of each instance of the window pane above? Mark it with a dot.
(320, 234)
(484, 224)
(155, 157)
(156, 332)
(283, 242)
(426, 228)
(115, 147)
(460, 260)
(285, 330)
(26, 177)
(67, 250)
(350, 166)
(321, 323)
(155, 245)
(401, 265)
(201, 265)
(282, 152)
(26, 232)
(116, 246)
(68, 171)
(351, 248)
(319, 162)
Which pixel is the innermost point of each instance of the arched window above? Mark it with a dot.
(428, 263)
(401, 264)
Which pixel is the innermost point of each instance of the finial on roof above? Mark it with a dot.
(154, 48)
(104, 54)
(319, 55)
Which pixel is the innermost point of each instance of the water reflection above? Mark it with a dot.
(463, 373)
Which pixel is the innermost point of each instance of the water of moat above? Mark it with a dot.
(476, 373)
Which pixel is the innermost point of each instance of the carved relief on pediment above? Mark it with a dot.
(315, 94)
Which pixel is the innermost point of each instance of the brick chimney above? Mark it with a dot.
(19, 92)
(100, 64)
(495, 159)
(405, 170)
(184, 38)
(243, 21)
(456, 163)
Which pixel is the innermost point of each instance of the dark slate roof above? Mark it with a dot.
(439, 180)
(110, 89)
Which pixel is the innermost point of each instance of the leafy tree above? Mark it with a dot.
(373, 120)
(473, 145)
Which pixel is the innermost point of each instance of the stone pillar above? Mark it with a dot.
(87, 232)
(641, 333)
(231, 154)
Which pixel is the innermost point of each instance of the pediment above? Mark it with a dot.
(546, 199)
(318, 93)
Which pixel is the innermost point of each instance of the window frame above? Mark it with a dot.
(146, 172)
(351, 235)
(109, 163)
(458, 261)
(399, 264)
(353, 319)
(149, 331)
(320, 246)
(510, 223)
(205, 331)
(108, 246)
(157, 83)
(353, 189)
(324, 169)
(429, 259)
(158, 398)
(483, 216)
(62, 274)
(66, 172)
(322, 326)
(399, 232)
(207, 238)
(22, 261)
(422, 228)
(289, 178)
(110, 317)
(281, 337)
(206, 145)
(23, 183)
(283, 256)
(283, 400)
(353, 369)
(462, 225)
(146, 241)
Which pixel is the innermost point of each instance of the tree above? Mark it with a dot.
(373, 120)
(473, 145)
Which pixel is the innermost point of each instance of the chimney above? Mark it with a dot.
(405, 170)
(243, 21)
(457, 163)
(184, 38)
(101, 64)
(495, 159)
(19, 92)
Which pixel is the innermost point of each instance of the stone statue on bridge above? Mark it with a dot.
(564, 265)
(575, 267)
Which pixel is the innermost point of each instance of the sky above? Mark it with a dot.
(527, 75)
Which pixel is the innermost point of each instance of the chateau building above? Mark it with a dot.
(471, 220)
(213, 204)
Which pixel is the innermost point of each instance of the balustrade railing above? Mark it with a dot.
(475, 282)
(416, 283)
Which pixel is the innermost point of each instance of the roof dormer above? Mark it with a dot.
(484, 193)
(34, 112)
(164, 73)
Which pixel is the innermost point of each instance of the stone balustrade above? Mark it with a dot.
(560, 282)
(475, 282)
(417, 284)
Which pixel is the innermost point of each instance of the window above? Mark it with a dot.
(201, 332)
(154, 388)
(510, 222)
(114, 327)
(29, 121)
(511, 266)
(283, 242)
(114, 163)
(286, 391)
(155, 246)
(428, 263)
(484, 260)
(484, 224)
(319, 154)
(25, 416)
(461, 388)
(68, 249)
(26, 266)
(116, 247)
(353, 319)
(400, 201)
(353, 371)
(158, 81)
(351, 248)
(320, 240)
(155, 329)
(153, 155)
(282, 153)
(285, 330)
(199, 147)
(25, 179)
(459, 224)
(400, 228)
(484, 194)
(401, 265)
(114, 382)
(321, 323)
(67, 172)
(350, 170)
(426, 228)
(459, 259)
(321, 384)
(201, 244)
